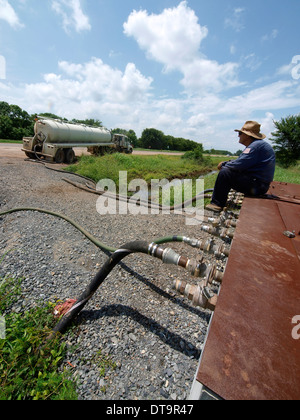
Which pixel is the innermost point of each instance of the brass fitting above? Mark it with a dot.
(199, 295)
(217, 231)
(208, 246)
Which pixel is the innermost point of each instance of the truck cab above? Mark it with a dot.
(122, 143)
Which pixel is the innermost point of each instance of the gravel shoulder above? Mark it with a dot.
(153, 336)
(11, 150)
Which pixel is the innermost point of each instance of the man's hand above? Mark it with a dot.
(220, 165)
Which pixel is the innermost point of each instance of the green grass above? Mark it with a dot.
(138, 167)
(160, 167)
(290, 175)
(140, 149)
(29, 366)
(29, 363)
(11, 141)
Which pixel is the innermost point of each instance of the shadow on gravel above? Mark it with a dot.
(170, 338)
(205, 316)
(177, 300)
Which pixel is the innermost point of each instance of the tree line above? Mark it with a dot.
(15, 123)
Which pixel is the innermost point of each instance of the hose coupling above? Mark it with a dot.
(200, 295)
(167, 255)
(197, 268)
(193, 242)
(222, 221)
(208, 246)
(216, 231)
(213, 274)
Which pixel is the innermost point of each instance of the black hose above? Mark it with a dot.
(119, 197)
(67, 219)
(120, 254)
(95, 241)
(145, 203)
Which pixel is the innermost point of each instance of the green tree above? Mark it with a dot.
(287, 140)
(5, 127)
(132, 138)
(195, 154)
(15, 123)
(153, 139)
(4, 108)
(90, 122)
(53, 116)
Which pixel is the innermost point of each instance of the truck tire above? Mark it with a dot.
(69, 156)
(60, 156)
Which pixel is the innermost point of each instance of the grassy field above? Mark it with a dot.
(30, 365)
(139, 167)
(290, 175)
(160, 167)
(11, 141)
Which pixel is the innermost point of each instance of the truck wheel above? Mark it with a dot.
(69, 156)
(60, 156)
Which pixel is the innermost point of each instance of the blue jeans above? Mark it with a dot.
(240, 182)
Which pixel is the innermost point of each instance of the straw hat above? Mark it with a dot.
(252, 129)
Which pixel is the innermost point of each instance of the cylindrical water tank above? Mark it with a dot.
(63, 133)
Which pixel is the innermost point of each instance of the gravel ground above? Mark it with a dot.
(153, 335)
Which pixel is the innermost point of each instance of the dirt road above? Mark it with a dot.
(10, 150)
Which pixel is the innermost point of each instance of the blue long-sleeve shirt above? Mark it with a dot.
(257, 160)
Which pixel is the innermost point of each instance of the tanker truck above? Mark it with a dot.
(54, 140)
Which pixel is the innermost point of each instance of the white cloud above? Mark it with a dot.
(267, 124)
(8, 14)
(251, 62)
(206, 111)
(173, 38)
(72, 15)
(235, 21)
(92, 89)
(275, 96)
(125, 99)
(232, 49)
(271, 36)
(291, 70)
(202, 75)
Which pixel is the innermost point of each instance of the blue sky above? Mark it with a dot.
(193, 69)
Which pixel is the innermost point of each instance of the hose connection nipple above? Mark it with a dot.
(196, 268)
(217, 231)
(193, 242)
(199, 295)
(170, 256)
(167, 255)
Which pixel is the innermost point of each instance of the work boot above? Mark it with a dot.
(213, 207)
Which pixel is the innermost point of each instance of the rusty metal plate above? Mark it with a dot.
(291, 218)
(250, 353)
(285, 190)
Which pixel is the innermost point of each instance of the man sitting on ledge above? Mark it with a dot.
(251, 174)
